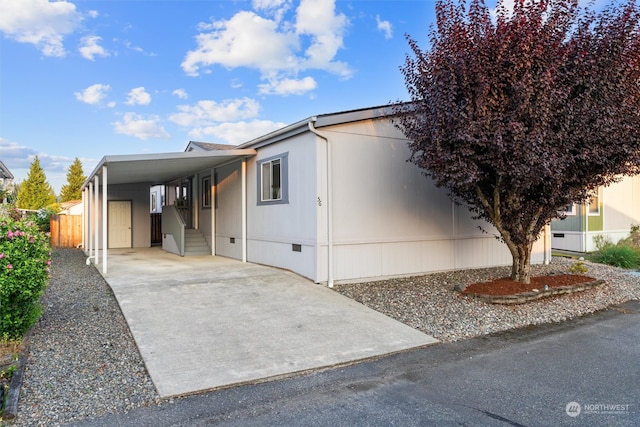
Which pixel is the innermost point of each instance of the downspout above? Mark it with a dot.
(329, 203)
(586, 226)
(547, 244)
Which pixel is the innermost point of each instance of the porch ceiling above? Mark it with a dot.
(160, 168)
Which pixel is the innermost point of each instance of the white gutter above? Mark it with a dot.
(329, 203)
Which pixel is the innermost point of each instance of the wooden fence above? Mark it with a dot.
(66, 231)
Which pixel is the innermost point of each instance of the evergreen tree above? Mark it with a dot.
(35, 192)
(75, 178)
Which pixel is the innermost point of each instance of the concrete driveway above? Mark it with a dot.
(202, 323)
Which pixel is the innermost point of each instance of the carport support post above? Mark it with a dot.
(213, 189)
(244, 209)
(96, 217)
(89, 219)
(104, 219)
(85, 209)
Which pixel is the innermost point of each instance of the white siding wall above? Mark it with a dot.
(568, 241)
(138, 194)
(389, 219)
(229, 212)
(272, 229)
(621, 205)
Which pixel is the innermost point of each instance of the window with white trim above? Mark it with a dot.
(569, 210)
(272, 180)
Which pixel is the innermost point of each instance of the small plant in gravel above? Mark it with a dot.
(578, 267)
(24, 273)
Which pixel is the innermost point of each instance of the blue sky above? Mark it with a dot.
(83, 78)
(92, 78)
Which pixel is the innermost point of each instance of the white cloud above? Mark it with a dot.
(278, 48)
(246, 40)
(385, 27)
(138, 49)
(138, 96)
(270, 4)
(39, 22)
(141, 127)
(232, 120)
(207, 112)
(180, 93)
(236, 133)
(94, 94)
(275, 8)
(89, 47)
(16, 156)
(288, 86)
(317, 18)
(18, 159)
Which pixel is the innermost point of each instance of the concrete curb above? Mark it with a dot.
(11, 410)
(534, 295)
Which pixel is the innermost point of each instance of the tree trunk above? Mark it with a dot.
(521, 268)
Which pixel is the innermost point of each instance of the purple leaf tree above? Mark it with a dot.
(522, 112)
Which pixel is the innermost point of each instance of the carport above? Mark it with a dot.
(151, 169)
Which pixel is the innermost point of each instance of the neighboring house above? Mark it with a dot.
(6, 181)
(156, 199)
(71, 207)
(331, 198)
(610, 213)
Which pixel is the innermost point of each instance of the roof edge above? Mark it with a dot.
(319, 121)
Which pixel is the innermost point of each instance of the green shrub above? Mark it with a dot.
(623, 256)
(24, 273)
(601, 241)
(578, 268)
(42, 217)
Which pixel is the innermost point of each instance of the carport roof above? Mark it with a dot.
(160, 168)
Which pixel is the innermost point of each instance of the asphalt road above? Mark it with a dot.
(584, 372)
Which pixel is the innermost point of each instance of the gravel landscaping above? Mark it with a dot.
(430, 304)
(82, 360)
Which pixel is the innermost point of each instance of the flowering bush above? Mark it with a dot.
(24, 273)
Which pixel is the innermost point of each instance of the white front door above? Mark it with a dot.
(119, 223)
